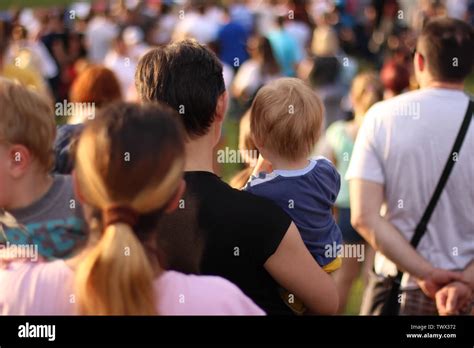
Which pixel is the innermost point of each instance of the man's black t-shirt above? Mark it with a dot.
(218, 230)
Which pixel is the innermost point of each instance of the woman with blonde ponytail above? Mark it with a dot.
(128, 172)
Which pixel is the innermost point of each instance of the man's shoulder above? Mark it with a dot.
(396, 106)
(249, 200)
(388, 105)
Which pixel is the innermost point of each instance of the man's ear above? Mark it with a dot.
(77, 190)
(221, 107)
(420, 61)
(19, 159)
(174, 201)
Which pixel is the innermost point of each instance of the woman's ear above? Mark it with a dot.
(77, 190)
(174, 201)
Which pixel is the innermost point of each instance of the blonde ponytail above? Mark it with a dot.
(366, 90)
(116, 275)
(116, 278)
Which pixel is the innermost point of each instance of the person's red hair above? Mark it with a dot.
(96, 84)
(395, 77)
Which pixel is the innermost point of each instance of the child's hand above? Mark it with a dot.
(262, 166)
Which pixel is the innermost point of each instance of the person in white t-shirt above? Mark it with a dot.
(398, 157)
(261, 68)
(100, 35)
(200, 23)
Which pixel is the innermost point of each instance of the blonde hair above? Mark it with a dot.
(286, 118)
(116, 276)
(27, 118)
(247, 146)
(366, 90)
(248, 151)
(325, 42)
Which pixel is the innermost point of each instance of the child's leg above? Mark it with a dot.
(295, 304)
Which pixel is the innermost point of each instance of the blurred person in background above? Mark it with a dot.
(298, 24)
(427, 9)
(195, 23)
(40, 59)
(134, 38)
(387, 20)
(457, 8)
(232, 42)
(123, 58)
(66, 46)
(326, 71)
(228, 71)
(395, 78)
(20, 70)
(55, 37)
(265, 13)
(248, 151)
(241, 13)
(166, 23)
(366, 90)
(96, 84)
(285, 47)
(261, 68)
(94, 88)
(100, 34)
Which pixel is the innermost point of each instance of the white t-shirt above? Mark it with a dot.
(404, 143)
(47, 289)
(123, 67)
(299, 31)
(100, 33)
(228, 74)
(196, 26)
(249, 77)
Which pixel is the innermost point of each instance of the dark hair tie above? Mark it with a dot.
(119, 213)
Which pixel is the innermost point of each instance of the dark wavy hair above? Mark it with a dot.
(188, 77)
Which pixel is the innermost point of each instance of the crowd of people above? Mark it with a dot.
(111, 116)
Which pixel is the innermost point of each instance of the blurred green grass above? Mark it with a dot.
(355, 297)
(470, 84)
(6, 4)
